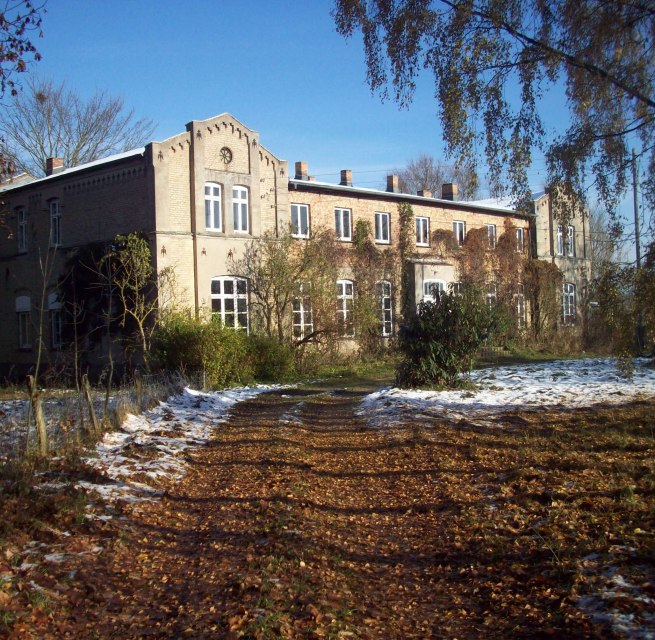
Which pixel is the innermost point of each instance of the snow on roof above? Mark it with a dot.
(80, 167)
(505, 202)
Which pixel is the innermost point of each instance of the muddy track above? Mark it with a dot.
(299, 521)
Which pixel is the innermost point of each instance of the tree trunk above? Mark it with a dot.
(39, 417)
(89, 403)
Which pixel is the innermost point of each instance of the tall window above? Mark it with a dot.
(345, 308)
(342, 224)
(303, 322)
(56, 320)
(520, 239)
(240, 209)
(385, 306)
(432, 289)
(24, 317)
(492, 294)
(560, 240)
(568, 303)
(422, 231)
(519, 305)
(491, 235)
(382, 227)
(22, 230)
(213, 214)
(459, 231)
(55, 223)
(300, 220)
(229, 297)
(570, 241)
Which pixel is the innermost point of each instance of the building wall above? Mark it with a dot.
(95, 205)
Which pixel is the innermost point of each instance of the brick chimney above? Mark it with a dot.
(346, 178)
(54, 165)
(302, 170)
(425, 193)
(449, 191)
(393, 184)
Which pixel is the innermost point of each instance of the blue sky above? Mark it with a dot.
(279, 67)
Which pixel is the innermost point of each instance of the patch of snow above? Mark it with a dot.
(561, 384)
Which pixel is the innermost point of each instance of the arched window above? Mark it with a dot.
(568, 303)
(229, 296)
(240, 209)
(213, 209)
(303, 322)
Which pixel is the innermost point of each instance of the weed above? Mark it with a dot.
(39, 599)
(7, 618)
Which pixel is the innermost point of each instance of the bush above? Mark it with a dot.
(271, 360)
(439, 341)
(191, 346)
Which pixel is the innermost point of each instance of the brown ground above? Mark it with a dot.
(316, 526)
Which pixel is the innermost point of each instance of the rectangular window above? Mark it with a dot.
(240, 209)
(459, 231)
(345, 308)
(519, 302)
(520, 240)
(24, 322)
(55, 223)
(300, 220)
(432, 289)
(570, 241)
(303, 322)
(568, 303)
(342, 222)
(457, 288)
(382, 227)
(386, 308)
(491, 235)
(422, 231)
(213, 217)
(22, 230)
(55, 329)
(492, 294)
(560, 240)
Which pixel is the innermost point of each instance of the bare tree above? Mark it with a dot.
(426, 172)
(49, 120)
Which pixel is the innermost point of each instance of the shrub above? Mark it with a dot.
(271, 360)
(192, 346)
(439, 341)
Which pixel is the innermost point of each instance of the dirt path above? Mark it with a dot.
(299, 521)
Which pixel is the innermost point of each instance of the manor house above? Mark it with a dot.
(202, 195)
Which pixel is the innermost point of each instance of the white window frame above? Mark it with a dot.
(303, 319)
(24, 319)
(55, 223)
(300, 220)
(213, 206)
(341, 216)
(459, 232)
(491, 235)
(568, 303)
(520, 240)
(346, 308)
(491, 295)
(428, 289)
(240, 209)
(456, 288)
(21, 237)
(382, 227)
(385, 305)
(422, 231)
(570, 241)
(236, 317)
(560, 240)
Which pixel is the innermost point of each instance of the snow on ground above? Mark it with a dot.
(559, 384)
(153, 444)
